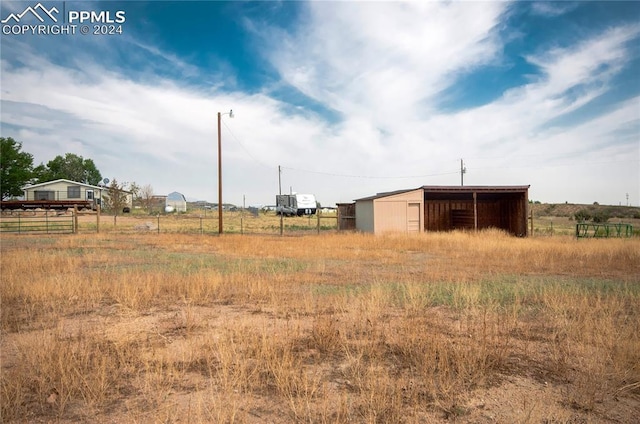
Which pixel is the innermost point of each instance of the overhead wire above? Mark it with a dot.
(401, 177)
(237, 140)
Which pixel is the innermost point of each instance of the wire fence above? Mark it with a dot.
(207, 223)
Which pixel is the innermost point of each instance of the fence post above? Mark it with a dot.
(531, 218)
(46, 219)
(98, 218)
(75, 219)
(318, 215)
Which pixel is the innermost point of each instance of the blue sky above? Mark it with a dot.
(349, 98)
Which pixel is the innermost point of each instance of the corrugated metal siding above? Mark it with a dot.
(364, 216)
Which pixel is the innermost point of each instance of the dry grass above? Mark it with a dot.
(331, 328)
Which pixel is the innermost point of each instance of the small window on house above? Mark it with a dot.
(73, 192)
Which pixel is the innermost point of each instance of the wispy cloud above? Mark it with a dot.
(380, 68)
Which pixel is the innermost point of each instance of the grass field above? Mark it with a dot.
(330, 328)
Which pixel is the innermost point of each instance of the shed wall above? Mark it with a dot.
(346, 216)
(506, 211)
(399, 213)
(364, 216)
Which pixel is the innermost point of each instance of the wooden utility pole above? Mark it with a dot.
(280, 192)
(219, 175)
(463, 170)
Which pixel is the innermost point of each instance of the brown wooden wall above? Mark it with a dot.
(346, 216)
(505, 211)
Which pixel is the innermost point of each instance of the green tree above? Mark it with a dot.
(16, 167)
(115, 199)
(70, 167)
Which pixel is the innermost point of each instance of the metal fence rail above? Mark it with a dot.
(604, 230)
(63, 224)
(52, 223)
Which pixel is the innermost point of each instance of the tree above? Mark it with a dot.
(70, 167)
(134, 189)
(115, 199)
(16, 167)
(145, 196)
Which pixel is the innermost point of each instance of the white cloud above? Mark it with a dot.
(385, 61)
(382, 67)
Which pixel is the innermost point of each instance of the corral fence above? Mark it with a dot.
(50, 222)
(603, 230)
(43, 224)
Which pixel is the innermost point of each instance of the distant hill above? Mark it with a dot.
(569, 210)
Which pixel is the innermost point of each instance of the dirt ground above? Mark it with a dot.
(523, 393)
(524, 390)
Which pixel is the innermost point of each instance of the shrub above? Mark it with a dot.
(600, 216)
(582, 215)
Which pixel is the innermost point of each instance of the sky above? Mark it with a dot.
(346, 98)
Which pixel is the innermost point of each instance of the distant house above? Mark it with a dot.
(62, 190)
(177, 201)
(64, 193)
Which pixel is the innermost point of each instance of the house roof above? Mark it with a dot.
(61, 180)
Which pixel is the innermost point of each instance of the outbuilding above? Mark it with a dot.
(176, 201)
(444, 208)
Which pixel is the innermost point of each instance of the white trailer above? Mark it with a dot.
(296, 204)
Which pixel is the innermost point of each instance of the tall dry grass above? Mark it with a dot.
(332, 328)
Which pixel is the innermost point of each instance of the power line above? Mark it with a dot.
(373, 177)
(330, 173)
(247, 151)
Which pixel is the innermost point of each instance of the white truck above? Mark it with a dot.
(296, 204)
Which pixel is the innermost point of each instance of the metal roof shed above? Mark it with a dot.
(476, 207)
(445, 208)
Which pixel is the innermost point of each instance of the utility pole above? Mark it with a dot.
(280, 193)
(220, 207)
(463, 171)
(219, 175)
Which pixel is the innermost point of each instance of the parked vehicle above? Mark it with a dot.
(296, 204)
